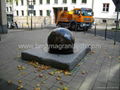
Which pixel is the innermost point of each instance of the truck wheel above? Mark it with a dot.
(73, 26)
(85, 29)
(59, 24)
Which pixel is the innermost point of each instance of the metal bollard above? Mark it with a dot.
(106, 31)
(95, 30)
(117, 24)
(0, 37)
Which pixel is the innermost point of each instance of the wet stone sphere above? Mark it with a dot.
(61, 41)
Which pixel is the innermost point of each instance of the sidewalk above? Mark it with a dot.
(99, 70)
(103, 27)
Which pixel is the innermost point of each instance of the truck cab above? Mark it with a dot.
(83, 18)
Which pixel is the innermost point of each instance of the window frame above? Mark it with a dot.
(47, 12)
(41, 12)
(64, 1)
(22, 12)
(17, 13)
(74, 1)
(55, 1)
(84, 1)
(16, 3)
(40, 1)
(47, 1)
(106, 7)
(34, 12)
(22, 2)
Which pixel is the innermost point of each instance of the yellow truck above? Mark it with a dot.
(76, 19)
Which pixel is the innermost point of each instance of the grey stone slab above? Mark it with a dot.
(113, 86)
(99, 86)
(60, 61)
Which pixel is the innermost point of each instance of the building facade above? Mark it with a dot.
(3, 20)
(43, 11)
(9, 12)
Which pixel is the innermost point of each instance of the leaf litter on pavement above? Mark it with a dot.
(56, 73)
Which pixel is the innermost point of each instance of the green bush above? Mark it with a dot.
(115, 28)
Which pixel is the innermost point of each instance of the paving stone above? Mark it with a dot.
(114, 75)
(11, 86)
(30, 76)
(99, 86)
(113, 86)
(89, 81)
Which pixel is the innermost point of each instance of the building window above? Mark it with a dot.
(65, 9)
(7, 9)
(48, 1)
(64, 1)
(22, 13)
(17, 13)
(48, 12)
(7, 0)
(40, 1)
(34, 2)
(104, 20)
(16, 3)
(106, 7)
(22, 2)
(41, 13)
(74, 1)
(10, 8)
(34, 13)
(28, 13)
(56, 1)
(84, 1)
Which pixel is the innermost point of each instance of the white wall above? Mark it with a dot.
(98, 9)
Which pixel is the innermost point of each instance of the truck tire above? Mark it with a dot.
(73, 26)
(85, 29)
(59, 24)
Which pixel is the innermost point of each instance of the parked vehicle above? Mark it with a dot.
(76, 19)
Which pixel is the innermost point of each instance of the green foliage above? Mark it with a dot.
(115, 28)
(12, 1)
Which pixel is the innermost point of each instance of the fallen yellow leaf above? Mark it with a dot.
(83, 72)
(20, 87)
(51, 73)
(58, 78)
(36, 88)
(20, 67)
(9, 82)
(38, 85)
(67, 73)
(110, 57)
(92, 52)
(65, 88)
(58, 89)
(19, 81)
(40, 75)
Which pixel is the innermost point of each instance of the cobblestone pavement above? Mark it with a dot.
(99, 70)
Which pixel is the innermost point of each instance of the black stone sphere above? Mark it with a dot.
(61, 41)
